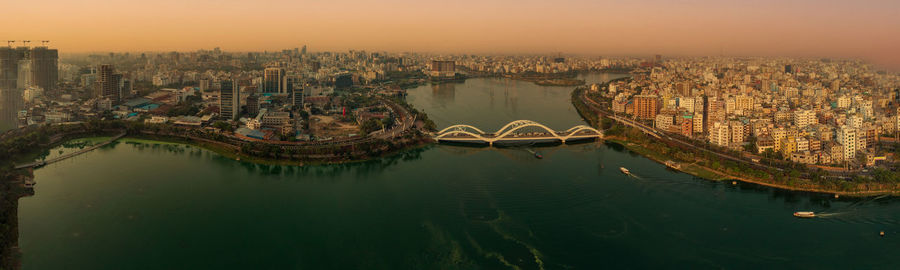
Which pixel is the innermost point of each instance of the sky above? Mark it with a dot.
(868, 29)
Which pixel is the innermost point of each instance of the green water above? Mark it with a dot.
(140, 205)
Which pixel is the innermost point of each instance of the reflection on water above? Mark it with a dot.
(169, 206)
(444, 93)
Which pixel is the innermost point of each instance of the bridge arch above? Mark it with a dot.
(461, 127)
(572, 131)
(514, 124)
(473, 133)
(525, 125)
(463, 132)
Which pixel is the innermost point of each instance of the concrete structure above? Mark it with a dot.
(229, 101)
(646, 106)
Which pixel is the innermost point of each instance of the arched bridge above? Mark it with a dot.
(516, 131)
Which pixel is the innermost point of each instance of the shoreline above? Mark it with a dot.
(580, 106)
(235, 154)
(746, 179)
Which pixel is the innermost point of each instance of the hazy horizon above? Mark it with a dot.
(867, 30)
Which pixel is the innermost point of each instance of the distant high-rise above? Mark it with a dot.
(440, 68)
(229, 100)
(273, 80)
(788, 69)
(303, 50)
(10, 93)
(252, 104)
(45, 69)
(294, 91)
(107, 84)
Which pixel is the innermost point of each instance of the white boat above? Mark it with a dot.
(625, 171)
(805, 214)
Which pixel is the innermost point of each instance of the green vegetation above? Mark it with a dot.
(711, 166)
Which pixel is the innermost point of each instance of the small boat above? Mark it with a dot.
(538, 155)
(805, 214)
(625, 171)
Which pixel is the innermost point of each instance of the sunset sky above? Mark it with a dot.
(816, 28)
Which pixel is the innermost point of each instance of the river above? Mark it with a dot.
(147, 205)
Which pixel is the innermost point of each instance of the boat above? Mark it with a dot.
(805, 214)
(672, 164)
(538, 155)
(625, 171)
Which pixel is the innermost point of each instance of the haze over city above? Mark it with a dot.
(803, 28)
(428, 134)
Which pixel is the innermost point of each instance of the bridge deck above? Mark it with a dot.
(69, 155)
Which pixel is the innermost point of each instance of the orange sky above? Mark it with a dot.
(818, 28)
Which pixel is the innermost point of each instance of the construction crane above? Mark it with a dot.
(9, 43)
(44, 43)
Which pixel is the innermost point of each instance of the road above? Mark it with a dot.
(597, 107)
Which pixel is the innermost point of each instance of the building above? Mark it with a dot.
(107, 84)
(252, 104)
(229, 100)
(687, 125)
(273, 80)
(442, 68)
(21, 68)
(719, 135)
(10, 93)
(847, 137)
(804, 118)
(646, 106)
(663, 122)
(698, 122)
(275, 119)
(45, 69)
(765, 143)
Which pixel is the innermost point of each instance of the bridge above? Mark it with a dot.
(521, 131)
(63, 157)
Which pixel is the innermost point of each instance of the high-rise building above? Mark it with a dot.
(442, 68)
(107, 83)
(252, 105)
(646, 106)
(10, 94)
(45, 69)
(294, 91)
(229, 100)
(273, 80)
(847, 137)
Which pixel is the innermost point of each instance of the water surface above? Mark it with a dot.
(141, 205)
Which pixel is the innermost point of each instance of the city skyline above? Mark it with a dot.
(802, 28)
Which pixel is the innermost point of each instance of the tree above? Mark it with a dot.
(370, 126)
(225, 126)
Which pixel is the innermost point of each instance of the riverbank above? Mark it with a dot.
(229, 152)
(32, 145)
(708, 166)
(698, 170)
